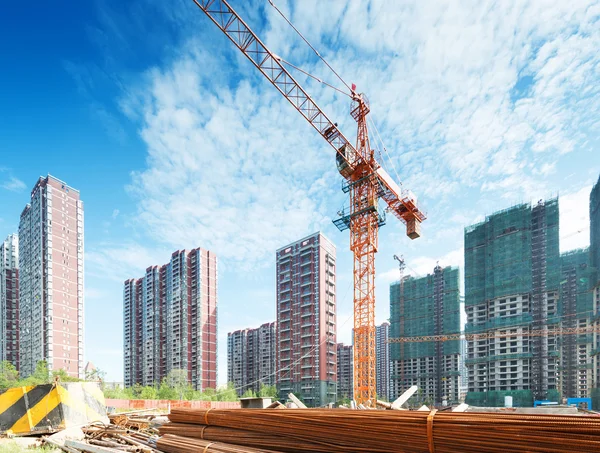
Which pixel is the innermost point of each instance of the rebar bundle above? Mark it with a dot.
(336, 431)
(171, 443)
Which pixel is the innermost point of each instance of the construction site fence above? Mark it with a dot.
(166, 404)
(521, 398)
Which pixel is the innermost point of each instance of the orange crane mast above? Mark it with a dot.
(366, 183)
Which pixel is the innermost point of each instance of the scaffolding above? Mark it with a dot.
(595, 235)
(512, 273)
(577, 310)
(419, 307)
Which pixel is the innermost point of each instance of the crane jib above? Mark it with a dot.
(230, 23)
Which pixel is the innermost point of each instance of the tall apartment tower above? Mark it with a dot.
(512, 280)
(306, 320)
(422, 307)
(9, 300)
(170, 321)
(251, 358)
(575, 370)
(382, 346)
(595, 287)
(237, 360)
(345, 371)
(51, 305)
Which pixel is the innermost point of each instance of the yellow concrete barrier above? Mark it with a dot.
(50, 408)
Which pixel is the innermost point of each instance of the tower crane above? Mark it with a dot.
(365, 181)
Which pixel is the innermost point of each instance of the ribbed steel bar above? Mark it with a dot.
(336, 431)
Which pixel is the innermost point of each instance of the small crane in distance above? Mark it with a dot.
(365, 181)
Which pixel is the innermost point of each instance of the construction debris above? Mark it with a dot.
(397, 404)
(296, 401)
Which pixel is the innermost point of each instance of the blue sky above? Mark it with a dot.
(175, 141)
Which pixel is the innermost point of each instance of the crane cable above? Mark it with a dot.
(386, 151)
(310, 45)
(312, 76)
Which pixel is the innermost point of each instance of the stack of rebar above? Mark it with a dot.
(337, 431)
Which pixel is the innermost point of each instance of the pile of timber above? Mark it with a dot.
(344, 431)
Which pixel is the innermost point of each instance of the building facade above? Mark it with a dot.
(345, 371)
(237, 360)
(576, 305)
(251, 358)
(422, 307)
(595, 288)
(51, 297)
(170, 321)
(306, 320)
(9, 300)
(512, 276)
(382, 336)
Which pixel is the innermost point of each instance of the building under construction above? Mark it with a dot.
(421, 307)
(595, 287)
(512, 276)
(575, 372)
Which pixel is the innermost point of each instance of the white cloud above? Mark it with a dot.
(115, 214)
(119, 262)
(224, 171)
(422, 265)
(575, 219)
(13, 184)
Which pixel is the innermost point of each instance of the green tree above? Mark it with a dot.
(227, 394)
(95, 375)
(268, 391)
(41, 375)
(149, 393)
(165, 392)
(249, 394)
(9, 376)
(178, 381)
(62, 376)
(344, 401)
(118, 392)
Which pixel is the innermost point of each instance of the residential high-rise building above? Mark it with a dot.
(170, 321)
(51, 301)
(345, 371)
(261, 355)
(237, 360)
(251, 358)
(512, 280)
(9, 300)
(422, 307)
(595, 287)
(306, 320)
(382, 347)
(575, 371)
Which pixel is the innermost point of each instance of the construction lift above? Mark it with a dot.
(365, 181)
